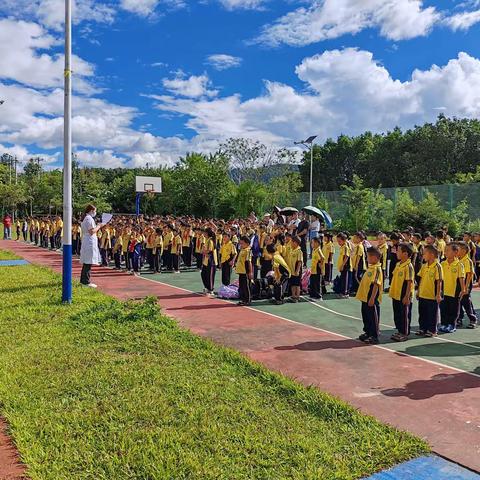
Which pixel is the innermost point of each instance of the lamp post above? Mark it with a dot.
(67, 162)
(309, 144)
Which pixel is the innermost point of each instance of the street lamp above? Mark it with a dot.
(309, 144)
(67, 162)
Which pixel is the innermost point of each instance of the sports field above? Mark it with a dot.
(426, 386)
(460, 350)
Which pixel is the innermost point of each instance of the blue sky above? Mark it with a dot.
(157, 78)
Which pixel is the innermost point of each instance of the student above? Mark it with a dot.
(295, 262)
(317, 270)
(209, 262)
(150, 242)
(187, 246)
(382, 246)
(370, 294)
(167, 247)
(392, 255)
(429, 292)
(266, 259)
(358, 261)
(476, 240)
(117, 251)
(417, 258)
(199, 243)
(176, 250)
(157, 251)
(401, 292)
(440, 244)
(453, 289)
(466, 305)
(227, 258)
(17, 229)
(344, 264)
(127, 233)
(467, 238)
(281, 272)
(244, 269)
(328, 250)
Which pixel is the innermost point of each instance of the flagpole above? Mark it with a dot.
(67, 162)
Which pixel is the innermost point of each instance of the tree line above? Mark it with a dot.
(245, 175)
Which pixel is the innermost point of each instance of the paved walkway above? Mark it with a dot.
(437, 403)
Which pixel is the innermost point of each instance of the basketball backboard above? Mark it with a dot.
(148, 184)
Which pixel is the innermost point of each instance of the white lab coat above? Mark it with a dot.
(89, 252)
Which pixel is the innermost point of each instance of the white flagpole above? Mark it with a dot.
(67, 162)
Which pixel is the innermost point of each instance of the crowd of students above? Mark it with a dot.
(275, 254)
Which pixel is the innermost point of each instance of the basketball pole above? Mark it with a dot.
(67, 162)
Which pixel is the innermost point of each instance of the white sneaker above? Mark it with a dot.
(91, 285)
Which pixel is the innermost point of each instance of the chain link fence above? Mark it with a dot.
(448, 195)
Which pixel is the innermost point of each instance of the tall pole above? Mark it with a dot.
(311, 174)
(67, 162)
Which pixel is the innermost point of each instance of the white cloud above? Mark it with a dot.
(140, 7)
(327, 19)
(95, 158)
(222, 61)
(347, 92)
(242, 4)
(21, 60)
(51, 13)
(193, 86)
(463, 21)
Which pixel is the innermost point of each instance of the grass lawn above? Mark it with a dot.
(7, 255)
(105, 390)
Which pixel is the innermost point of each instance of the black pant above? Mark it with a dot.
(449, 310)
(402, 316)
(208, 276)
(85, 275)
(371, 319)
(303, 247)
(175, 261)
(427, 315)
(466, 306)
(244, 291)
(280, 287)
(187, 256)
(157, 262)
(226, 273)
(315, 285)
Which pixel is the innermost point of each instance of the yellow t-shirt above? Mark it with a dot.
(244, 256)
(328, 251)
(429, 276)
(452, 273)
(210, 250)
(345, 252)
(468, 267)
(318, 262)
(227, 252)
(383, 248)
(373, 276)
(358, 257)
(279, 261)
(294, 257)
(403, 272)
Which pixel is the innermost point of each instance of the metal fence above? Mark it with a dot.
(448, 195)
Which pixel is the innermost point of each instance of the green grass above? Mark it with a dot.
(104, 390)
(8, 255)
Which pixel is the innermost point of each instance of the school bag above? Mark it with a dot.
(305, 282)
(228, 292)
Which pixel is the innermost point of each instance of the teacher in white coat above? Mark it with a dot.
(89, 252)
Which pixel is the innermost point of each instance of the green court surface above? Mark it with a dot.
(460, 350)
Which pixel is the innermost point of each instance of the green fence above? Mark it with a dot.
(449, 196)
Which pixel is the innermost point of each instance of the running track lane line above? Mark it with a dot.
(438, 364)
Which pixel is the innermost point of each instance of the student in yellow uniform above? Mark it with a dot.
(176, 250)
(105, 244)
(167, 247)
(199, 243)
(295, 262)
(117, 250)
(127, 233)
(467, 238)
(453, 289)
(228, 253)
(344, 264)
(440, 244)
(209, 262)
(187, 235)
(466, 305)
(58, 233)
(429, 292)
(370, 294)
(328, 250)
(281, 275)
(317, 270)
(157, 250)
(358, 261)
(244, 269)
(382, 246)
(401, 292)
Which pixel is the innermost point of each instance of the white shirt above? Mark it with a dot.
(89, 253)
